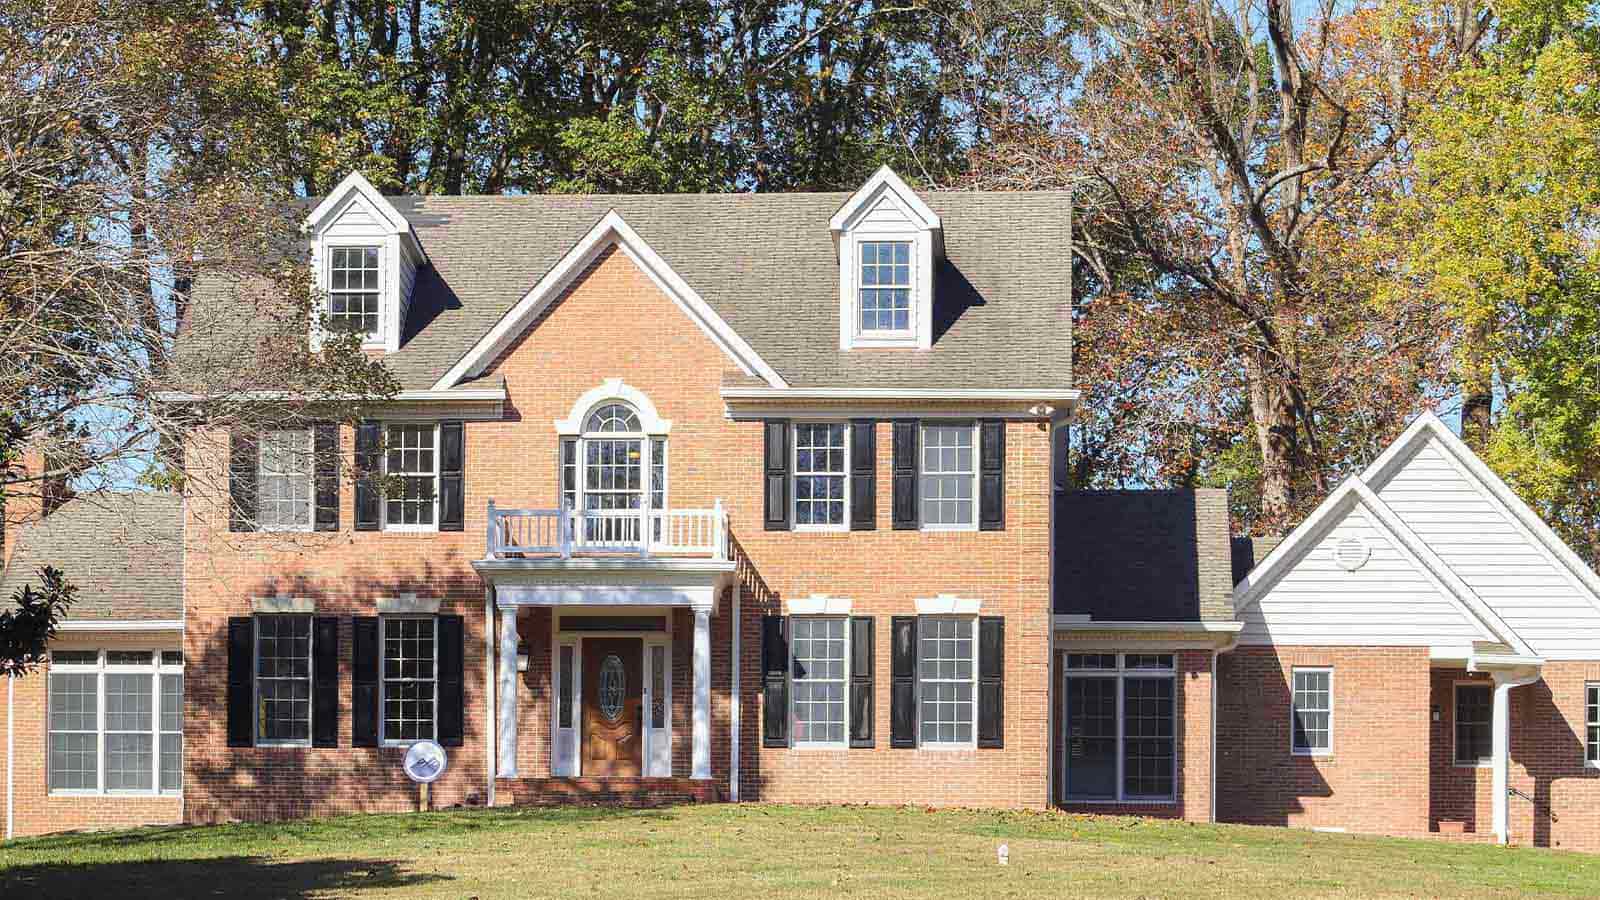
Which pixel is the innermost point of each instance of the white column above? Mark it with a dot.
(507, 726)
(701, 755)
(734, 709)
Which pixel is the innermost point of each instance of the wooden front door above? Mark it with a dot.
(613, 706)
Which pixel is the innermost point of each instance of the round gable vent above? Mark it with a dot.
(1351, 553)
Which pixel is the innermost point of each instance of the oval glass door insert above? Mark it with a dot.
(612, 681)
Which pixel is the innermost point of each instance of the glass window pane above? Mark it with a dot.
(172, 762)
(817, 649)
(884, 280)
(409, 678)
(411, 460)
(947, 476)
(820, 473)
(1474, 729)
(945, 683)
(1148, 745)
(74, 762)
(283, 679)
(128, 761)
(284, 495)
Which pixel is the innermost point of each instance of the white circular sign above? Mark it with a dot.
(425, 762)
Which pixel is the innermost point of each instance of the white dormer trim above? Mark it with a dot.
(650, 421)
(400, 254)
(611, 229)
(887, 209)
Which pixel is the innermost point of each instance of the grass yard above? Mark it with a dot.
(763, 851)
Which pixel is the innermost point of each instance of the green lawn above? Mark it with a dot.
(757, 851)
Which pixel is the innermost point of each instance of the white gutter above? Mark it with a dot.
(1083, 623)
(733, 764)
(122, 625)
(1047, 395)
(414, 396)
(1215, 693)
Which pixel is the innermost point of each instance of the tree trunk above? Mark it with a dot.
(1272, 413)
(1477, 392)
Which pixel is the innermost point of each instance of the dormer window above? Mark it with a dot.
(888, 242)
(885, 286)
(353, 291)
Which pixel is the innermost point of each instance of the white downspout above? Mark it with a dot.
(733, 764)
(1216, 722)
(1503, 683)
(11, 756)
(488, 692)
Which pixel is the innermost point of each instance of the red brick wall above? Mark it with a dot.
(1547, 762)
(1376, 779)
(36, 810)
(614, 323)
(1192, 690)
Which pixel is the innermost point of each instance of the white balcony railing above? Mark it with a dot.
(645, 532)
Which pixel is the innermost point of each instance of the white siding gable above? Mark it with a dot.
(355, 214)
(1479, 538)
(885, 215)
(1391, 600)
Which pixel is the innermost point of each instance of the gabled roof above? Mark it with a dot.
(1359, 490)
(356, 187)
(766, 265)
(882, 182)
(124, 551)
(612, 229)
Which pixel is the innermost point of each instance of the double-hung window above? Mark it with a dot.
(116, 721)
(283, 680)
(946, 681)
(821, 475)
(818, 657)
(1591, 721)
(949, 478)
(412, 462)
(410, 678)
(1119, 722)
(1312, 714)
(353, 289)
(885, 287)
(284, 495)
(1474, 725)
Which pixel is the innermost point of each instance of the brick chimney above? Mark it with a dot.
(31, 501)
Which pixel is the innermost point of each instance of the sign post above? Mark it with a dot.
(425, 761)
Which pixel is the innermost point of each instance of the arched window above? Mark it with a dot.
(611, 471)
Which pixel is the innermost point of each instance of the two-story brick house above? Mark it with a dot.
(751, 498)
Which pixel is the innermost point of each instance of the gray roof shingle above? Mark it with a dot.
(766, 264)
(1143, 556)
(124, 551)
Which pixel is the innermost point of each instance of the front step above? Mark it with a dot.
(636, 792)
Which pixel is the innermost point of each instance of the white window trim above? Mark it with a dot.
(977, 471)
(885, 337)
(377, 340)
(311, 480)
(1587, 687)
(977, 650)
(1121, 674)
(100, 668)
(255, 682)
(794, 476)
(1455, 709)
(383, 679)
(383, 515)
(822, 745)
(1311, 751)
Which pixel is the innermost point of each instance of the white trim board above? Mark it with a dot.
(122, 625)
(610, 230)
(884, 181)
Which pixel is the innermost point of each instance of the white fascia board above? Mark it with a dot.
(884, 180)
(356, 182)
(457, 395)
(1046, 395)
(1582, 578)
(122, 625)
(1079, 623)
(610, 229)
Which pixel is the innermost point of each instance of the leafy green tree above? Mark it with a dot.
(26, 630)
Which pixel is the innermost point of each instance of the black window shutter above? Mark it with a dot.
(364, 683)
(325, 687)
(327, 467)
(774, 681)
(992, 475)
(905, 474)
(991, 681)
(863, 475)
(451, 476)
(903, 690)
(776, 467)
(862, 656)
(452, 680)
(241, 681)
(368, 471)
(243, 471)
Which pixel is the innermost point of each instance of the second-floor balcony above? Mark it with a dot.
(566, 533)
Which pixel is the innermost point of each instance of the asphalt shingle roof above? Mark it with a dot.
(124, 551)
(766, 264)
